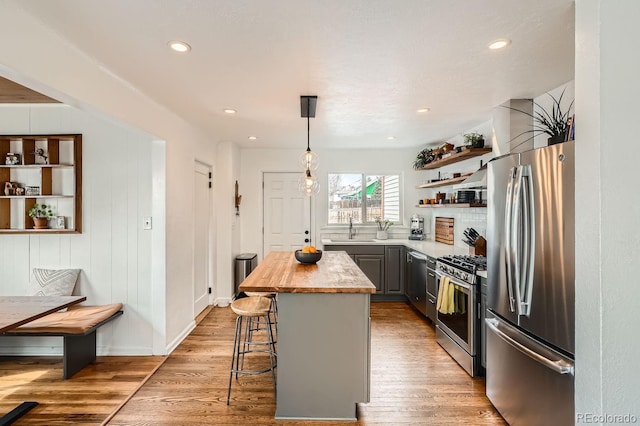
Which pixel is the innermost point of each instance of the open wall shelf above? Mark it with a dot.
(457, 157)
(43, 169)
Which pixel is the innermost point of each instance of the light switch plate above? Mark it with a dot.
(146, 223)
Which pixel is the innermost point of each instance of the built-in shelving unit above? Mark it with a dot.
(43, 169)
(457, 157)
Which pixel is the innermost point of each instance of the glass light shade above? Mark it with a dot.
(309, 160)
(308, 184)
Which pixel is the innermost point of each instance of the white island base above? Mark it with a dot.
(323, 355)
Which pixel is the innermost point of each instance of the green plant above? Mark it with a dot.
(383, 225)
(554, 123)
(41, 210)
(473, 138)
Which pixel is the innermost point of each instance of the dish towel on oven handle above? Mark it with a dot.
(446, 301)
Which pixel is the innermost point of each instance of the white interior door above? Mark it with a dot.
(202, 212)
(286, 213)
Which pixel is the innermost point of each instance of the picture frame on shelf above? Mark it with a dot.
(30, 191)
(60, 222)
(41, 156)
(11, 159)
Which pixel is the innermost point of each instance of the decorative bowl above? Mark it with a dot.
(308, 258)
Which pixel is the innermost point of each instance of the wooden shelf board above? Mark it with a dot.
(36, 166)
(37, 231)
(458, 156)
(36, 196)
(443, 182)
(451, 206)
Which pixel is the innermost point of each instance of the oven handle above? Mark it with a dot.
(453, 281)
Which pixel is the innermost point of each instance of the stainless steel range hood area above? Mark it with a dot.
(515, 126)
(477, 180)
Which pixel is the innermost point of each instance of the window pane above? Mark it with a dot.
(345, 198)
(383, 197)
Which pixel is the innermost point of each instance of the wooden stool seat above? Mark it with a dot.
(259, 294)
(251, 306)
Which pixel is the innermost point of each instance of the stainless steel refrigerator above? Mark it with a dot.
(530, 294)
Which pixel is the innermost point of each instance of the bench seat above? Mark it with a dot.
(77, 325)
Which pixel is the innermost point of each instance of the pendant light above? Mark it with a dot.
(309, 159)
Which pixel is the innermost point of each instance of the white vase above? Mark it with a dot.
(381, 235)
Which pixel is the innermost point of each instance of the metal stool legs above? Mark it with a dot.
(242, 345)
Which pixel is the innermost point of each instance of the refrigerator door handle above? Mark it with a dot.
(559, 366)
(508, 226)
(528, 242)
(516, 237)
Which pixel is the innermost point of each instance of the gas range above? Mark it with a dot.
(462, 267)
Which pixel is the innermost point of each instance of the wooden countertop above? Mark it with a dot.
(280, 272)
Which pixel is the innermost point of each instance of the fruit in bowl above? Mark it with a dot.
(308, 255)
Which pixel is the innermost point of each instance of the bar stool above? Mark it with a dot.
(251, 308)
(273, 309)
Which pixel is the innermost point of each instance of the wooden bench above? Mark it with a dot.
(77, 326)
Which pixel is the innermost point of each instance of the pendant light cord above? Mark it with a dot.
(308, 125)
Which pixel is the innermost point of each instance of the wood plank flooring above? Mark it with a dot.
(88, 398)
(413, 380)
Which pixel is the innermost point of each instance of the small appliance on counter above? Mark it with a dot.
(417, 228)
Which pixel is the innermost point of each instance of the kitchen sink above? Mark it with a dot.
(353, 240)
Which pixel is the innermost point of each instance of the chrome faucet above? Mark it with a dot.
(352, 231)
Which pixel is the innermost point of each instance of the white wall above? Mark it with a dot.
(45, 62)
(113, 251)
(607, 235)
(228, 224)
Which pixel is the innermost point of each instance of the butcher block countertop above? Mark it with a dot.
(280, 272)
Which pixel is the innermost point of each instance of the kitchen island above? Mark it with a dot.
(323, 334)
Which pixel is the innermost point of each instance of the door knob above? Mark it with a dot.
(306, 232)
(306, 240)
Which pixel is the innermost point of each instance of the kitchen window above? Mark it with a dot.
(363, 197)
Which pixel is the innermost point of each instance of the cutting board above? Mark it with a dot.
(444, 230)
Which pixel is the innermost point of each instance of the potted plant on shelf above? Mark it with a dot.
(383, 227)
(474, 140)
(555, 123)
(40, 213)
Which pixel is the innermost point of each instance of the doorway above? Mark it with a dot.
(287, 213)
(201, 237)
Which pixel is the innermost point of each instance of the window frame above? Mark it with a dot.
(363, 207)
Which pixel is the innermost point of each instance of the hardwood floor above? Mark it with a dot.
(88, 398)
(413, 380)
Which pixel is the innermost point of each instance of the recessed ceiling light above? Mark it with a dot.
(179, 46)
(390, 138)
(499, 43)
(423, 110)
(252, 138)
(229, 111)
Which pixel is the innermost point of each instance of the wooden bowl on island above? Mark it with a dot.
(308, 258)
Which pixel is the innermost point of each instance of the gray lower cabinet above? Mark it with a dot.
(432, 288)
(394, 266)
(383, 265)
(373, 267)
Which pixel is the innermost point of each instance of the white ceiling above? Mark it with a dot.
(372, 63)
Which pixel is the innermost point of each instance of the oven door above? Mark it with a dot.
(460, 326)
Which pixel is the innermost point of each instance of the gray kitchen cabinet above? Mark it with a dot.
(394, 261)
(432, 289)
(373, 267)
(383, 265)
